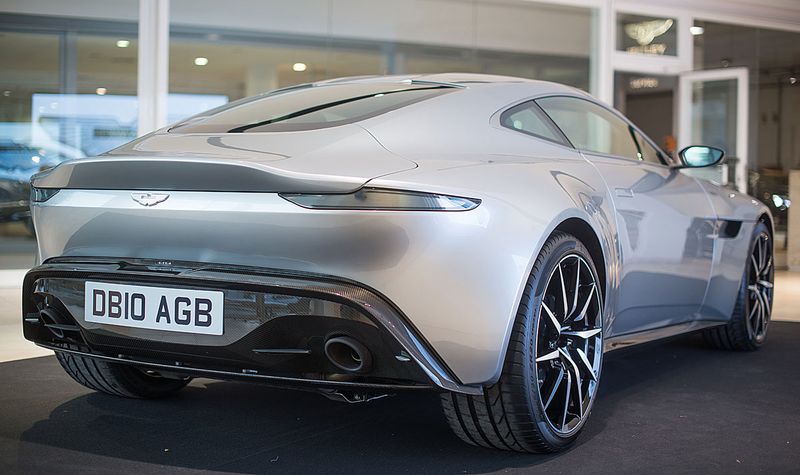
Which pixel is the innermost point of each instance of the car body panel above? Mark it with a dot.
(339, 159)
(665, 226)
(457, 276)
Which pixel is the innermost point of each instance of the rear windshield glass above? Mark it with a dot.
(309, 107)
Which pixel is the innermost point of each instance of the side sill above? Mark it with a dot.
(630, 339)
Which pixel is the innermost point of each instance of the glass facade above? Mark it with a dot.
(68, 81)
(209, 64)
(648, 100)
(67, 90)
(772, 58)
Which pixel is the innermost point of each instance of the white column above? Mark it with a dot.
(602, 70)
(153, 76)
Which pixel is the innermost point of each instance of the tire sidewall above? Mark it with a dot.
(745, 293)
(564, 245)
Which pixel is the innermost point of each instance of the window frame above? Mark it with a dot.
(630, 126)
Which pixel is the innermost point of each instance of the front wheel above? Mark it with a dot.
(553, 362)
(747, 328)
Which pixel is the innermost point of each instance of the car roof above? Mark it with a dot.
(467, 80)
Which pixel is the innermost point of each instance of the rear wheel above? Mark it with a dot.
(118, 379)
(747, 328)
(552, 367)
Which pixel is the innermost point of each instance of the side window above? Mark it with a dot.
(528, 118)
(648, 152)
(590, 127)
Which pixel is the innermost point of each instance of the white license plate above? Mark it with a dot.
(154, 308)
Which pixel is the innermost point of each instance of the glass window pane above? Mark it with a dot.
(65, 93)
(30, 67)
(648, 153)
(637, 96)
(590, 127)
(306, 108)
(647, 35)
(528, 118)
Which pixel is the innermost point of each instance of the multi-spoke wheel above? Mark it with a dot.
(759, 286)
(553, 362)
(569, 344)
(747, 328)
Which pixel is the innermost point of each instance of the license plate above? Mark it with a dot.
(154, 308)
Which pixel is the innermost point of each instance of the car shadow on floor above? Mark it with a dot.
(238, 427)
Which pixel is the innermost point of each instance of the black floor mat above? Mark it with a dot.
(669, 407)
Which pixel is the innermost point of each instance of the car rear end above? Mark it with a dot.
(238, 255)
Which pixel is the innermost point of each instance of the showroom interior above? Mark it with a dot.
(82, 77)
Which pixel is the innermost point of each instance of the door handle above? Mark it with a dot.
(623, 192)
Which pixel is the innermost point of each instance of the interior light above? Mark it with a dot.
(697, 30)
(299, 67)
(6, 93)
(200, 61)
(101, 91)
(36, 159)
(123, 43)
(792, 80)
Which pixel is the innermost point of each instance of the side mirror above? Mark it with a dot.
(698, 156)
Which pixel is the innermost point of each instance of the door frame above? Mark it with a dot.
(741, 75)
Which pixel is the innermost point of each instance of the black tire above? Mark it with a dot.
(118, 379)
(510, 414)
(738, 334)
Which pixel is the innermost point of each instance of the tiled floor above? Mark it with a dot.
(13, 346)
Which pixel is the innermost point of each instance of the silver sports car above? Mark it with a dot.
(485, 237)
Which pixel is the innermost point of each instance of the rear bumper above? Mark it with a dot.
(276, 325)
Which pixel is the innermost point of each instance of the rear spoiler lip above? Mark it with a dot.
(185, 174)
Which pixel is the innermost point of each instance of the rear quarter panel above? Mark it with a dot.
(463, 290)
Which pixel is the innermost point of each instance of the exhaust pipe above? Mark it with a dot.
(56, 322)
(52, 320)
(348, 354)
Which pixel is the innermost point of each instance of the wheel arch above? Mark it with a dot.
(600, 246)
(587, 235)
(766, 218)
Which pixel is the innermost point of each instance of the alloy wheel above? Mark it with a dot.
(760, 287)
(569, 344)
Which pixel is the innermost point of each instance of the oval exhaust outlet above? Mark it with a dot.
(53, 321)
(348, 354)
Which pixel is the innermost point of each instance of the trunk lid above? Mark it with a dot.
(332, 160)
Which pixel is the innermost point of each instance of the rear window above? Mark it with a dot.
(309, 107)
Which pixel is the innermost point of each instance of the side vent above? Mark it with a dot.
(730, 229)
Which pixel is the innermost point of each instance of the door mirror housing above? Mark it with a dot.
(699, 156)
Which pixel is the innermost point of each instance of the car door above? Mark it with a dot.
(665, 222)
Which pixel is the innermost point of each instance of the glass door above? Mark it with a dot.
(713, 111)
